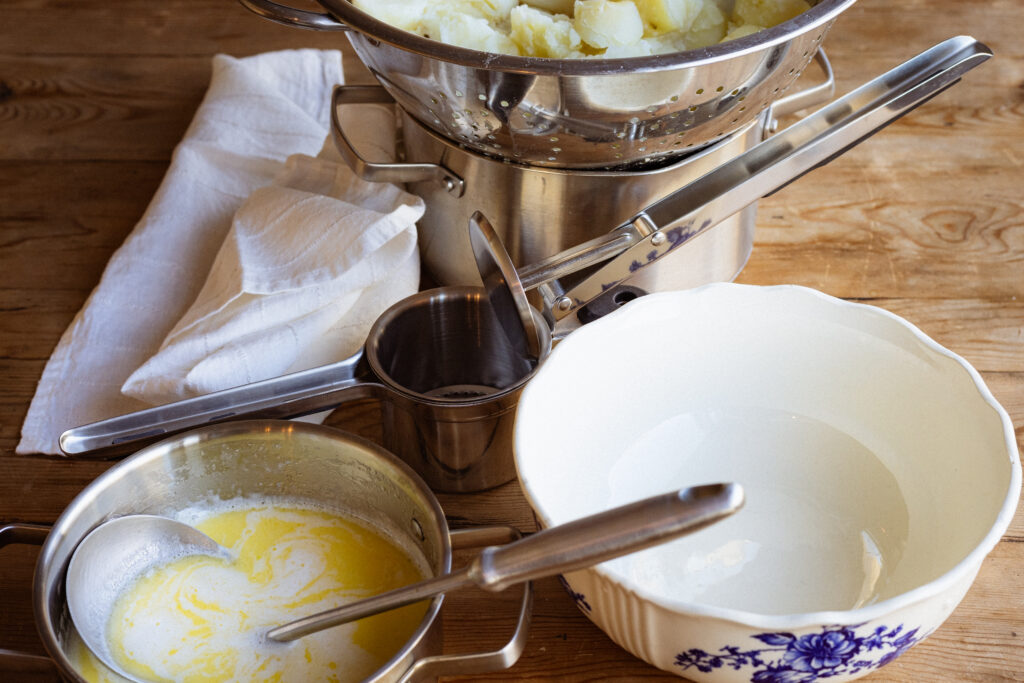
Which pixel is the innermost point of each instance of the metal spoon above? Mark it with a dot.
(112, 555)
(504, 290)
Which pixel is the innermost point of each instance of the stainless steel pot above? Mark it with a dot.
(576, 113)
(268, 458)
(538, 212)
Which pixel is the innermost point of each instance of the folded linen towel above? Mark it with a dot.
(244, 265)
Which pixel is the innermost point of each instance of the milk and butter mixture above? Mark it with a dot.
(824, 525)
(202, 619)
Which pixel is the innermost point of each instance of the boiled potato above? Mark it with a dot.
(606, 23)
(665, 16)
(553, 6)
(542, 34)
(564, 29)
(403, 14)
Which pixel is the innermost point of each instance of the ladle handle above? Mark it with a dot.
(771, 165)
(292, 395)
(563, 548)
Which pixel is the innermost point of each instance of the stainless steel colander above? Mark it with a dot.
(576, 113)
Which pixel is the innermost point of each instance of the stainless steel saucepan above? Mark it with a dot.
(269, 459)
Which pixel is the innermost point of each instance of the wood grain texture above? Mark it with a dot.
(925, 220)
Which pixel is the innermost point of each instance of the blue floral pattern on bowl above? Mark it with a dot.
(578, 598)
(835, 651)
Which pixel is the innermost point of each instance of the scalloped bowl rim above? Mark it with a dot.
(970, 563)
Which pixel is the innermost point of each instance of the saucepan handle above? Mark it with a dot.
(21, 665)
(293, 395)
(291, 16)
(382, 172)
(471, 664)
(769, 166)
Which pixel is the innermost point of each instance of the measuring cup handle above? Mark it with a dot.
(293, 395)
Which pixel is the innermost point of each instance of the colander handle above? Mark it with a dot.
(291, 16)
(769, 166)
(806, 98)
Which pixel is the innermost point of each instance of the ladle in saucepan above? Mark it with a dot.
(114, 552)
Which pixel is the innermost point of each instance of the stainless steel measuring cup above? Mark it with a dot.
(438, 360)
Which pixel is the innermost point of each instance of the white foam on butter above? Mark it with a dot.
(209, 617)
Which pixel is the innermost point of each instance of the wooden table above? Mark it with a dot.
(926, 220)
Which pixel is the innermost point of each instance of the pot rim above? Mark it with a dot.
(947, 581)
(373, 28)
(81, 502)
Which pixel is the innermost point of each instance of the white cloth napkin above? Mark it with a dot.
(253, 259)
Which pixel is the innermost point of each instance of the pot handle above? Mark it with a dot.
(377, 172)
(474, 663)
(290, 16)
(29, 534)
(288, 396)
(26, 666)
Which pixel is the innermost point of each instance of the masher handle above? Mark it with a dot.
(606, 535)
(562, 548)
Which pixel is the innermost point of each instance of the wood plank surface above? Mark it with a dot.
(925, 220)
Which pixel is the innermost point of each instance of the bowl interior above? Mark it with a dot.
(873, 460)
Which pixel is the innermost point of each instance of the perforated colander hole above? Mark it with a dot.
(720, 88)
(674, 98)
(700, 91)
(482, 97)
(458, 93)
(504, 103)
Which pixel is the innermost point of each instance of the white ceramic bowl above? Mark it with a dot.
(879, 471)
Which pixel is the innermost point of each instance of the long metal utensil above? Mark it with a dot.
(559, 549)
(674, 220)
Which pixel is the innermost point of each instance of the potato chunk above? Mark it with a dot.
(665, 16)
(542, 34)
(606, 23)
